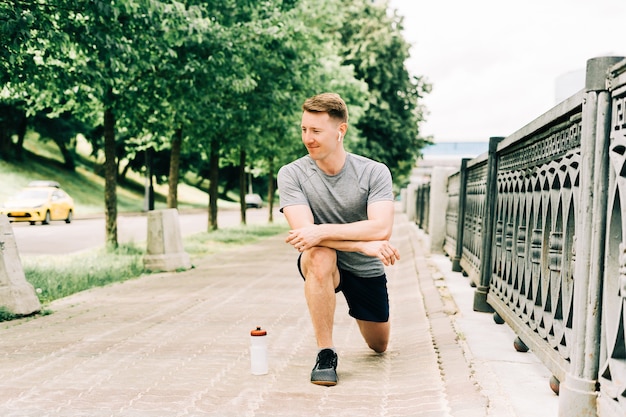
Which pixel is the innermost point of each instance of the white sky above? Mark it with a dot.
(494, 64)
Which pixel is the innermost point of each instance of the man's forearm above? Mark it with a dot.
(364, 236)
(366, 230)
(343, 245)
(380, 249)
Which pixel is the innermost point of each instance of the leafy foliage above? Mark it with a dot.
(208, 88)
(374, 46)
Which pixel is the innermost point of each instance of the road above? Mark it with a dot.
(61, 238)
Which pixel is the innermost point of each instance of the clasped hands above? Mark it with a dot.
(308, 237)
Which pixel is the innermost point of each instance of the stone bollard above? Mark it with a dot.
(438, 207)
(16, 294)
(165, 244)
(411, 200)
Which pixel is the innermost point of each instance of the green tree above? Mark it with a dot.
(62, 130)
(265, 50)
(201, 66)
(29, 40)
(136, 68)
(300, 61)
(374, 46)
(13, 121)
(209, 83)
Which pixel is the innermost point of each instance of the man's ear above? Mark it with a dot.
(342, 128)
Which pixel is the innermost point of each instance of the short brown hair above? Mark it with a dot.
(330, 103)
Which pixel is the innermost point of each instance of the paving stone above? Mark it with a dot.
(177, 344)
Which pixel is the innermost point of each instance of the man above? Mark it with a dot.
(340, 210)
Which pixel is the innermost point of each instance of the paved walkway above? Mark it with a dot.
(177, 345)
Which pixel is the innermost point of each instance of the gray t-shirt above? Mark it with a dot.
(338, 199)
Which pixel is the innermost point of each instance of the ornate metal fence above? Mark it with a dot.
(542, 232)
(422, 204)
(472, 225)
(455, 216)
(612, 399)
(531, 273)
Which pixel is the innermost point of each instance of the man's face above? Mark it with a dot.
(321, 135)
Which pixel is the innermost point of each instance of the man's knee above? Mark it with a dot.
(320, 254)
(379, 340)
(378, 346)
(376, 335)
(318, 262)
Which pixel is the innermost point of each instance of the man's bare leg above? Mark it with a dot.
(319, 266)
(376, 334)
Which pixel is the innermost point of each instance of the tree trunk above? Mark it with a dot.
(68, 156)
(242, 185)
(172, 193)
(5, 141)
(270, 190)
(214, 166)
(5, 144)
(121, 179)
(21, 135)
(149, 186)
(110, 180)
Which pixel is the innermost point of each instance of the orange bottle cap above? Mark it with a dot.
(258, 332)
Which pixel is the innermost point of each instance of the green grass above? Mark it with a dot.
(6, 315)
(43, 162)
(55, 277)
(86, 188)
(204, 244)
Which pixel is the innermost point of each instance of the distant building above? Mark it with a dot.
(454, 151)
(445, 154)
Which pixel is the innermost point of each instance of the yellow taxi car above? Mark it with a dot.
(41, 201)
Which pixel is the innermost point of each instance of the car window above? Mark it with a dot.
(32, 195)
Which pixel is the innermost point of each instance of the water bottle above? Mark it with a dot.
(258, 351)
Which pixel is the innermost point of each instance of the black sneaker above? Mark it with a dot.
(325, 370)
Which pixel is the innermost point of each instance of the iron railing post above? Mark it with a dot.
(482, 289)
(460, 223)
(578, 392)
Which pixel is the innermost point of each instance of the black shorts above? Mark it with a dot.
(367, 298)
